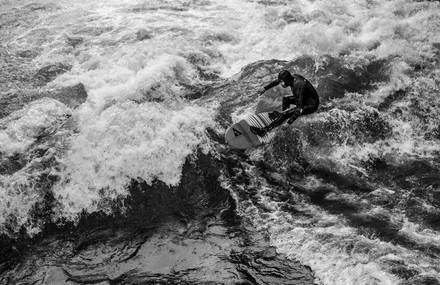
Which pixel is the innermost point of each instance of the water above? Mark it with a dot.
(352, 192)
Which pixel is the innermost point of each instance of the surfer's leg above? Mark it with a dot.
(311, 102)
(287, 101)
(287, 114)
(310, 108)
(275, 123)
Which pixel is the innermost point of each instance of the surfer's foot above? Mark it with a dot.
(261, 132)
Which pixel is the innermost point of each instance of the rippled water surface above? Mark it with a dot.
(113, 167)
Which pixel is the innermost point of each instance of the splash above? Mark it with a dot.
(138, 124)
(22, 128)
(19, 191)
(363, 29)
(135, 124)
(128, 141)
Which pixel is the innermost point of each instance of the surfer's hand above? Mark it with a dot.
(261, 91)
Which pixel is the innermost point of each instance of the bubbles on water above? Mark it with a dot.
(20, 188)
(287, 30)
(128, 141)
(17, 198)
(136, 123)
(21, 128)
(421, 235)
(335, 252)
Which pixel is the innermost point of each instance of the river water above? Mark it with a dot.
(129, 181)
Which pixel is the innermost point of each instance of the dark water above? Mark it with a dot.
(114, 170)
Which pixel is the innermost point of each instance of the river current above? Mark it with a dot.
(113, 167)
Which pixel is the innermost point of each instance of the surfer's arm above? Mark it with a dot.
(272, 84)
(268, 86)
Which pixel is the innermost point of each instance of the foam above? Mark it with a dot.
(407, 140)
(329, 261)
(135, 123)
(18, 194)
(336, 253)
(21, 128)
(363, 29)
(17, 197)
(339, 255)
(419, 234)
(127, 141)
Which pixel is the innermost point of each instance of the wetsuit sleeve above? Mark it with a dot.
(272, 84)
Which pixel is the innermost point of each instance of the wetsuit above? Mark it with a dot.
(304, 97)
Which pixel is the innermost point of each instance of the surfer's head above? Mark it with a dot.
(286, 78)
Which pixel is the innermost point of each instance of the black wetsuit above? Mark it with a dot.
(304, 95)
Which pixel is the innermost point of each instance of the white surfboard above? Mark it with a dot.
(240, 136)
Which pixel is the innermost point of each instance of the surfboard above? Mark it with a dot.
(240, 136)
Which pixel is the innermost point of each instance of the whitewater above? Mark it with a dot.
(114, 170)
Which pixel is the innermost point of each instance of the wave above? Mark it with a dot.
(351, 191)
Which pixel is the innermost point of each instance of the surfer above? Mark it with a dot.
(305, 98)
